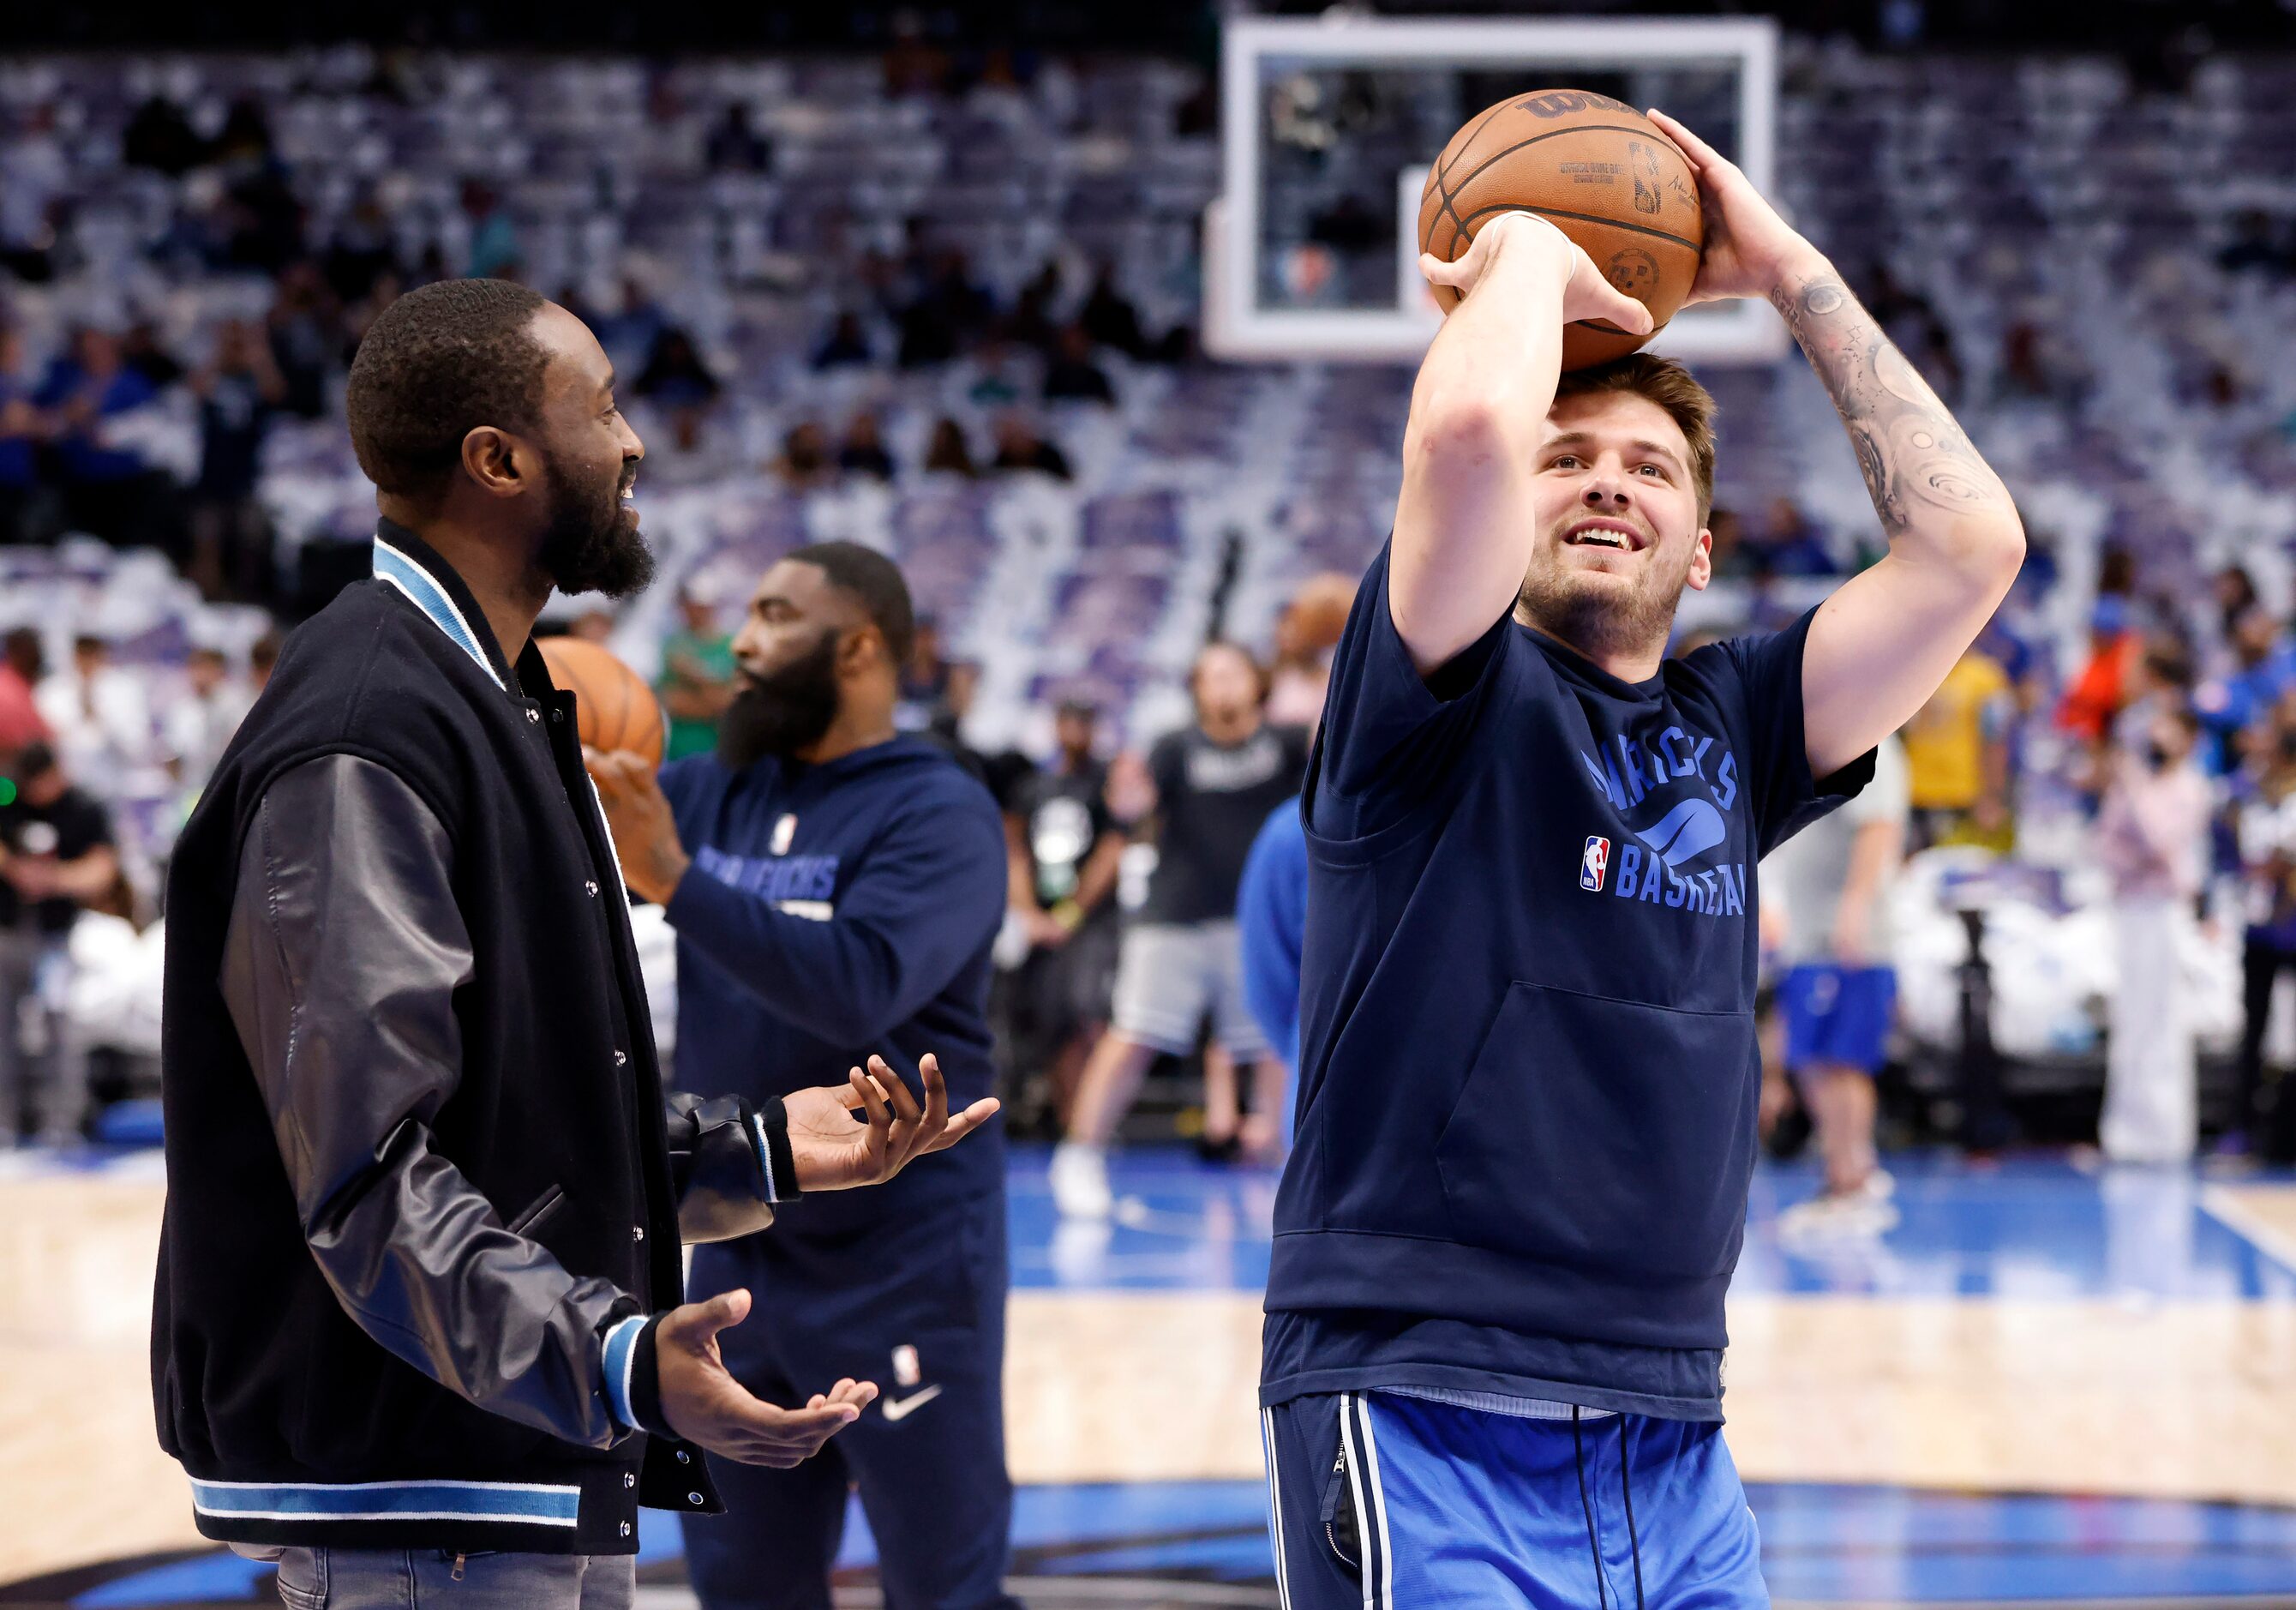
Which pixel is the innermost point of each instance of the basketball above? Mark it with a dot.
(1602, 173)
(613, 707)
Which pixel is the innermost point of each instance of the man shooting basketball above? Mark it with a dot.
(1529, 1072)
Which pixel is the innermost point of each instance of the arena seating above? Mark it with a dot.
(2115, 373)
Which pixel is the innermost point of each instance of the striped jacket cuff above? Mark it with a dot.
(769, 1131)
(632, 1379)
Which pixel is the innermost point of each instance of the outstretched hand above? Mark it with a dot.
(1749, 247)
(836, 1152)
(705, 1405)
(1586, 295)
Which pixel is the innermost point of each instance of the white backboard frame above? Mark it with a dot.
(1236, 327)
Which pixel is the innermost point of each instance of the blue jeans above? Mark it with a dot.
(417, 1579)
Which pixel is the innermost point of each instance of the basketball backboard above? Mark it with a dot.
(1328, 127)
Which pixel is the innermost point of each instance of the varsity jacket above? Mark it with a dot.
(426, 1196)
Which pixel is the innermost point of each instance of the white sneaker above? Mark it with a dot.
(1080, 1177)
(1080, 1250)
(1854, 1217)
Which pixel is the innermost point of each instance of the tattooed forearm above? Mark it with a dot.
(1918, 463)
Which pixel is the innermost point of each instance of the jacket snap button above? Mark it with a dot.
(625, 1529)
(557, 715)
(637, 1232)
(693, 1497)
(621, 1058)
(684, 1457)
(590, 886)
(533, 714)
(628, 1480)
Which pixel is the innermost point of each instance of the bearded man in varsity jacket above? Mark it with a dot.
(417, 1280)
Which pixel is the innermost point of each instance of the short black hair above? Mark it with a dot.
(35, 760)
(873, 581)
(436, 364)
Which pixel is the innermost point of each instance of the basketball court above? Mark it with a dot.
(2046, 1386)
(2051, 1384)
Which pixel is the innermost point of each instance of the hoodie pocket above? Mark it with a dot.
(1608, 1135)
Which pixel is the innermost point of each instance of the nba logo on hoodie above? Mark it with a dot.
(1594, 863)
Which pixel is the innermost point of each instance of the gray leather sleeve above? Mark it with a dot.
(339, 968)
(719, 1167)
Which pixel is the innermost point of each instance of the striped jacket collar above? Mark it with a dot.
(404, 561)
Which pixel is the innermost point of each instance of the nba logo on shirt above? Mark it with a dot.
(785, 831)
(1594, 863)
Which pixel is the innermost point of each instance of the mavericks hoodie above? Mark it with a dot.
(833, 911)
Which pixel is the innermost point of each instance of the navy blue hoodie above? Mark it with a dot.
(833, 911)
(1528, 1073)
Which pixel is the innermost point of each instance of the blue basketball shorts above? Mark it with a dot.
(1381, 1500)
(1837, 1017)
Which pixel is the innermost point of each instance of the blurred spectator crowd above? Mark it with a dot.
(953, 317)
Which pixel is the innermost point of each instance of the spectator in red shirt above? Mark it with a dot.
(2097, 692)
(20, 672)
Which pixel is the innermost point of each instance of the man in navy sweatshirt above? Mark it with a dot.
(1491, 1366)
(836, 886)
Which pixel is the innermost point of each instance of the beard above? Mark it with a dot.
(591, 543)
(1596, 618)
(782, 711)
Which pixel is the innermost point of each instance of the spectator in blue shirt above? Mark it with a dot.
(1271, 918)
(21, 428)
(93, 383)
(239, 394)
(1792, 545)
(109, 490)
(2262, 670)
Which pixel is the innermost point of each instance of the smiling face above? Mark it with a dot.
(590, 457)
(1619, 529)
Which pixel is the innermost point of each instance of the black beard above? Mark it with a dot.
(592, 544)
(782, 711)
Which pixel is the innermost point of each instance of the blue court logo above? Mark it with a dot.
(1690, 829)
(1594, 863)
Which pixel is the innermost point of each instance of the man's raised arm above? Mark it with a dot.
(1464, 525)
(1882, 643)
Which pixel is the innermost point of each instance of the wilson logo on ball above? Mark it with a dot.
(1563, 102)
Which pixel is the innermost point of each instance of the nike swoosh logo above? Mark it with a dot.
(900, 1408)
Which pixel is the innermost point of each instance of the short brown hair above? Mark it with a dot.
(1672, 387)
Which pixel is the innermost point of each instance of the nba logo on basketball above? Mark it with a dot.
(1594, 863)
